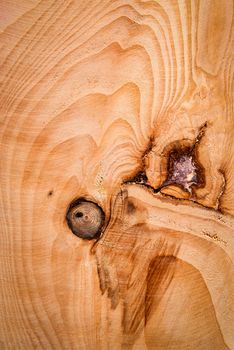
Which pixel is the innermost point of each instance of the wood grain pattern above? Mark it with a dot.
(95, 97)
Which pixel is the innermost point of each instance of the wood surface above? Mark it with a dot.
(116, 124)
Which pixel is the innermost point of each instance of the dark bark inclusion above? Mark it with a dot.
(183, 172)
(183, 169)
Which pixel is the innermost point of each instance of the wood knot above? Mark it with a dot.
(85, 219)
(183, 168)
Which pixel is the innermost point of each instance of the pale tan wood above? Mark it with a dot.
(92, 93)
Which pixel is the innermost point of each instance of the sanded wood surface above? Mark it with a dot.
(117, 175)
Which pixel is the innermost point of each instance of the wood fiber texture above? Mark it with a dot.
(127, 105)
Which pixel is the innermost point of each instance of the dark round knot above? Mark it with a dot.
(85, 219)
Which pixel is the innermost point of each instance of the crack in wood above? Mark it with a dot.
(218, 201)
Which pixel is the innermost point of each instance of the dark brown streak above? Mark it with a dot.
(145, 293)
(159, 277)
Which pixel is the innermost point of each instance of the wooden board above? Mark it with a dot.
(117, 175)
